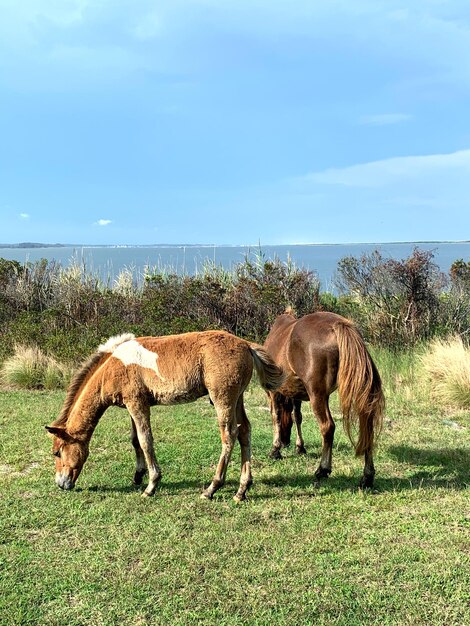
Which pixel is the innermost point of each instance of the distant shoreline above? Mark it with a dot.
(34, 245)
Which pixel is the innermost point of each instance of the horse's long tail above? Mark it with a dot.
(270, 375)
(359, 387)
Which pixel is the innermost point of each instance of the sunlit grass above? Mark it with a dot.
(447, 365)
(293, 554)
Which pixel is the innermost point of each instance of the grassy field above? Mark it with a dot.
(291, 554)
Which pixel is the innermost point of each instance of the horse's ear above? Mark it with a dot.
(61, 433)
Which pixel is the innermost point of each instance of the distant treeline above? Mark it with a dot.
(68, 311)
(29, 244)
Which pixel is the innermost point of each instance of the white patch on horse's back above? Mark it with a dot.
(133, 353)
(115, 342)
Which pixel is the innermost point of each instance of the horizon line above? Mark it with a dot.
(31, 244)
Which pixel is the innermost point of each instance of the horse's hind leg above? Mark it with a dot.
(228, 435)
(367, 479)
(299, 442)
(140, 465)
(244, 437)
(140, 414)
(319, 402)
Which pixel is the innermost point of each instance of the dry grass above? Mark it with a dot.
(447, 367)
(30, 368)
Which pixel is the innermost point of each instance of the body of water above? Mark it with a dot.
(108, 262)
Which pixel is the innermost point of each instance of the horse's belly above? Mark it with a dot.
(179, 395)
(294, 388)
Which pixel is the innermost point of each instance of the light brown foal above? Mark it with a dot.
(139, 373)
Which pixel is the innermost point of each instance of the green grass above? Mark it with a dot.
(292, 554)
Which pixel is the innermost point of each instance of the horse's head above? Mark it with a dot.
(70, 455)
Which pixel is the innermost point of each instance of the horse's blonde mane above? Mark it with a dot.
(76, 383)
(88, 366)
(114, 342)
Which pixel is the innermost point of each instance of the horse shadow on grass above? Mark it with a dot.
(169, 487)
(426, 468)
(431, 468)
(436, 467)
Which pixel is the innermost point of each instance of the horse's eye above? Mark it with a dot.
(57, 453)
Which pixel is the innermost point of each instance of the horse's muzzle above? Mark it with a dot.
(64, 482)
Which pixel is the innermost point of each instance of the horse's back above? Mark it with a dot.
(278, 338)
(313, 350)
(200, 362)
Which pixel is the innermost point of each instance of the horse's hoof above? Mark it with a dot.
(300, 450)
(205, 495)
(239, 497)
(322, 472)
(138, 477)
(275, 454)
(146, 494)
(366, 482)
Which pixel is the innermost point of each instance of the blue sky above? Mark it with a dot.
(237, 122)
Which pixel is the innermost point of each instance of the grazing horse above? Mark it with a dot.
(143, 372)
(322, 352)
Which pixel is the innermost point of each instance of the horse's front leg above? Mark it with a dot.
(140, 414)
(228, 435)
(140, 464)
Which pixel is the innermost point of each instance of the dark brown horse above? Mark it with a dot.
(322, 352)
(143, 372)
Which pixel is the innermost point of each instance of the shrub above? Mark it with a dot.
(447, 367)
(262, 289)
(67, 312)
(397, 301)
(454, 313)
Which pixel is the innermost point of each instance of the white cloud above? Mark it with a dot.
(103, 222)
(409, 198)
(393, 170)
(384, 119)
(148, 26)
(24, 216)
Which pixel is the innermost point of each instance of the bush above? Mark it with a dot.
(263, 289)
(397, 302)
(454, 311)
(67, 312)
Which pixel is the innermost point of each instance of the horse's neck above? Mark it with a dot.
(85, 414)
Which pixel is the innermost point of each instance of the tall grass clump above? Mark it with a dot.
(447, 366)
(30, 368)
